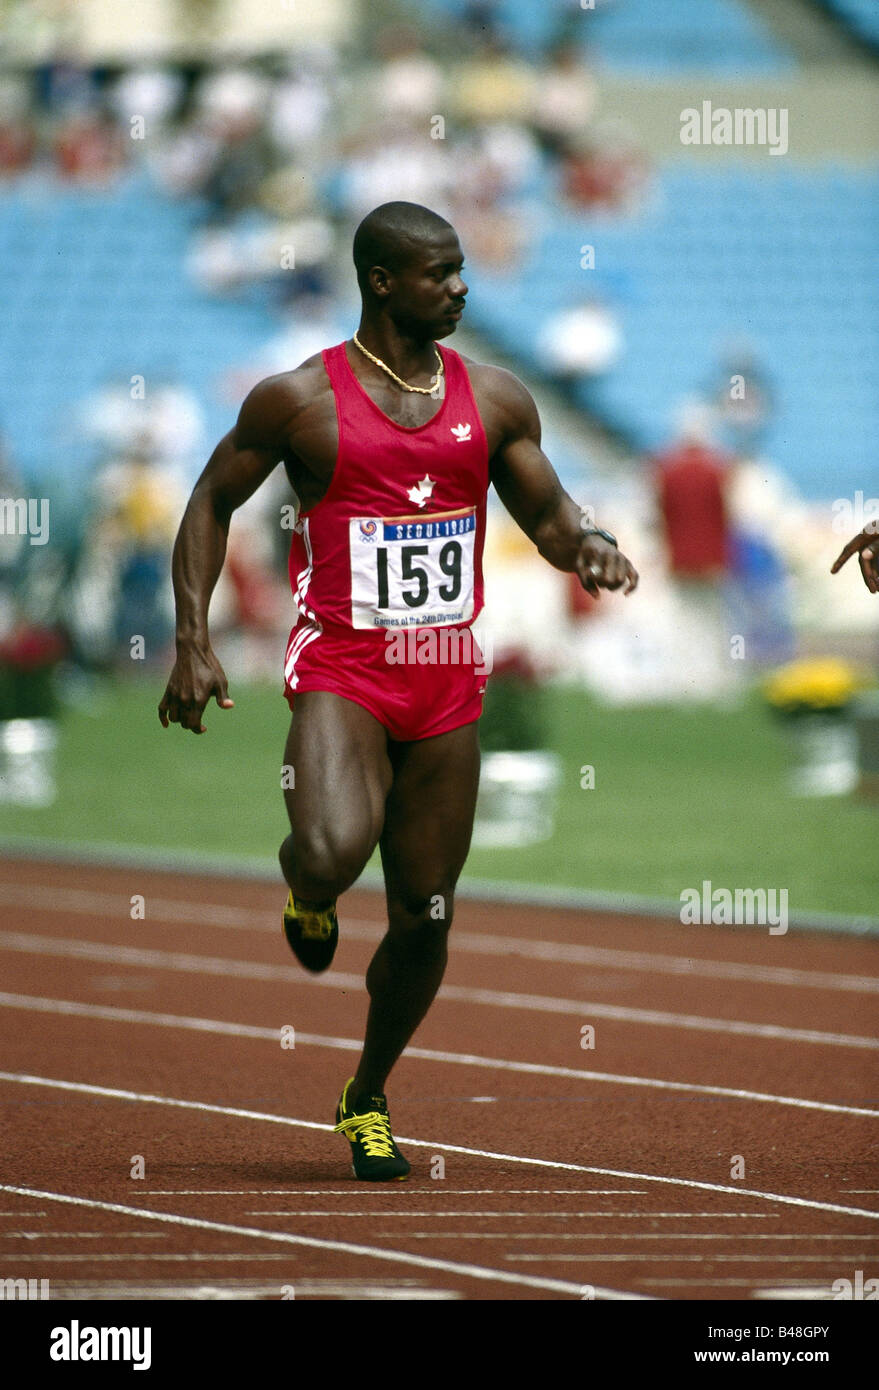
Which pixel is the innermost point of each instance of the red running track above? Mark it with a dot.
(717, 1140)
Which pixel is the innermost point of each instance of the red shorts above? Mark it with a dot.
(418, 683)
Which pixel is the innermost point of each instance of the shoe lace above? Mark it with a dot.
(372, 1130)
(317, 926)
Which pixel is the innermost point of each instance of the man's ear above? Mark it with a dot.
(380, 281)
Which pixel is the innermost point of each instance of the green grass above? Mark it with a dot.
(681, 795)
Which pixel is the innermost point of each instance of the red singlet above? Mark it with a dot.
(386, 569)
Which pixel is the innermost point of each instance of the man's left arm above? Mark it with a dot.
(529, 488)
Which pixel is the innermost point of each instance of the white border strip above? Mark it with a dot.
(113, 1014)
(227, 967)
(114, 855)
(113, 1093)
(116, 907)
(343, 1247)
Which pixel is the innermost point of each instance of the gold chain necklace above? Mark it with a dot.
(421, 390)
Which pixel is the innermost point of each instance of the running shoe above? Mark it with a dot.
(375, 1156)
(313, 934)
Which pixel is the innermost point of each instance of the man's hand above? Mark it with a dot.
(197, 675)
(866, 546)
(600, 565)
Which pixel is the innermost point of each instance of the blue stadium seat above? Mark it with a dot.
(723, 37)
(94, 283)
(793, 274)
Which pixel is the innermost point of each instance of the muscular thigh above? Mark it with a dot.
(429, 814)
(337, 753)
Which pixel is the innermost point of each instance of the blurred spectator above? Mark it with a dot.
(154, 94)
(183, 163)
(12, 543)
(234, 177)
(300, 106)
(691, 480)
(501, 159)
(496, 236)
(166, 424)
(172, 433)
(604, 169)
(291, 258)
(229, 96)
(566, 99)
(481, 20)
(394, 162)
(764, 515)
(109, 417)
(224, 153)
(487, 194)
(494, 85)
(89, 147)
(585, 340)
(289, 192)
(743, 397)
(691, 483)
(409, 84)
(18, 140)
(122, 583)
(64, 84)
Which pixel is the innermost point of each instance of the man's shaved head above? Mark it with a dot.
(389, 235)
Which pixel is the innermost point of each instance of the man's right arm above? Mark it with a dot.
(239, 464)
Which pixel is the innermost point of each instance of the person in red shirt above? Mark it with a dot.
(691, 489)
(90, 148)
(390, 444)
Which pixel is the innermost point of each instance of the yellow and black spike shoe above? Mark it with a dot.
(312, 933)
(375, 1156)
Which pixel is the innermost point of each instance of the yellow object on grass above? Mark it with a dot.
(817, 683)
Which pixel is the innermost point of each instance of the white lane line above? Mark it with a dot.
(118, 906)
(210, 915)
(816, 1290)
(234, 1290)
(407, 1191)
(534, 1003)
(342, 1247)
(543, 1215)
(247, 1030)
(113, 1093)
(147, 1289)
(615, 1236)
(82, 1235)
(822, 1294)
(117, 1256)
(666, 1257)
(655, 963)
(588, 1009)
(246, 1291)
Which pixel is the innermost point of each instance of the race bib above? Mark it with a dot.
(412, 571)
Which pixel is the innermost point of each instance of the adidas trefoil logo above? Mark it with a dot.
(461, 432)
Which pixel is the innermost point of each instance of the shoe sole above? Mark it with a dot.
(399, 1177)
